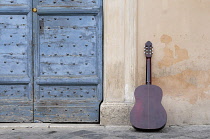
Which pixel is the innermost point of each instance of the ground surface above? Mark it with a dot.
(101, 132)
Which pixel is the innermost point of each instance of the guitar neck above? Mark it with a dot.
(148, 50)
(148, 71)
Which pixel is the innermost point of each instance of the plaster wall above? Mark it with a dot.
(180, 33)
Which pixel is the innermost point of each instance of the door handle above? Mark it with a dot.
(34, 10)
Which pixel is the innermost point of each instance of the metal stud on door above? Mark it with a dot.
(68, 60)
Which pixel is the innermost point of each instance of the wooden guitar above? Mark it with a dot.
(148, 113)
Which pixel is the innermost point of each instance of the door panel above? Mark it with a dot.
(72, 103)
(67, 45)
(15, 2)
(71, 3)
(16, 96)
(68, 61)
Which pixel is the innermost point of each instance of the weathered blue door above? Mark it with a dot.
(16, 94)
(68, 60)
(63, 62)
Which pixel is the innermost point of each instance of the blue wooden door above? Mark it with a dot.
(50, 60)
(16, 94)
(68, 60)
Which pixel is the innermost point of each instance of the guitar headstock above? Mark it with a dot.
(148, 49)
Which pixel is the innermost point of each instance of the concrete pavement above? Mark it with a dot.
(66, 131)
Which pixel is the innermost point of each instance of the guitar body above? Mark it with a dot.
(148, 114)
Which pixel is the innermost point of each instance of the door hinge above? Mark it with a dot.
(34, 10)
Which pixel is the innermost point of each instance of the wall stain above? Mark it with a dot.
(165, 39)
(189, 85)
(172, 55)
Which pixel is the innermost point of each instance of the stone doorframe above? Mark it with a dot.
(120, 60)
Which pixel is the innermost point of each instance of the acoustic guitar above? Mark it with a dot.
(148, 114)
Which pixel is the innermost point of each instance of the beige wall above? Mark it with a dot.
(180, 33)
